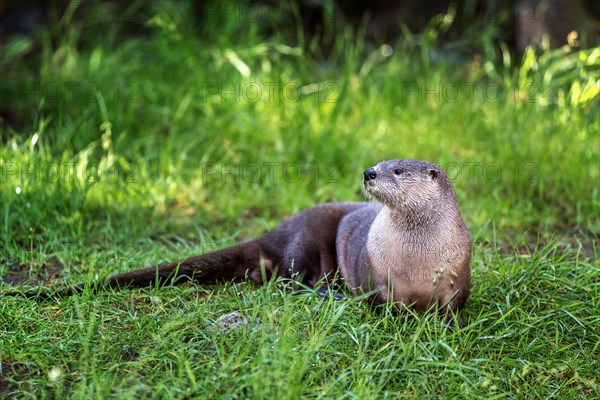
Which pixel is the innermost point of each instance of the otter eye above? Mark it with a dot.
(398, 171)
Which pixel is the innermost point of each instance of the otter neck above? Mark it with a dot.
(414, 218)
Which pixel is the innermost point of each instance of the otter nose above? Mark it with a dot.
(370, 174)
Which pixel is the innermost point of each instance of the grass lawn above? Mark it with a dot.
(130, 150)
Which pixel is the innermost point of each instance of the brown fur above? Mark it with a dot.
(302, 247)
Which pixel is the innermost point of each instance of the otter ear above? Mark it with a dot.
(433, 174)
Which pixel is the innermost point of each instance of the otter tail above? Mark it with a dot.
(230, 264)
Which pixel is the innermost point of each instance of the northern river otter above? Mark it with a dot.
(411, 247)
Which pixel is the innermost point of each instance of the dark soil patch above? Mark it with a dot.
(20, 274)
(13, 370)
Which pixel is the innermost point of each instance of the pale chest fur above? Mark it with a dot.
(410, 262)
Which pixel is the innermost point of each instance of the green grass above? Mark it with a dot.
(152, 167)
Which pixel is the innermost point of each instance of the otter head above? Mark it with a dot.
(406, 185)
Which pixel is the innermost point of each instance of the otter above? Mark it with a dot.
(411, 247)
